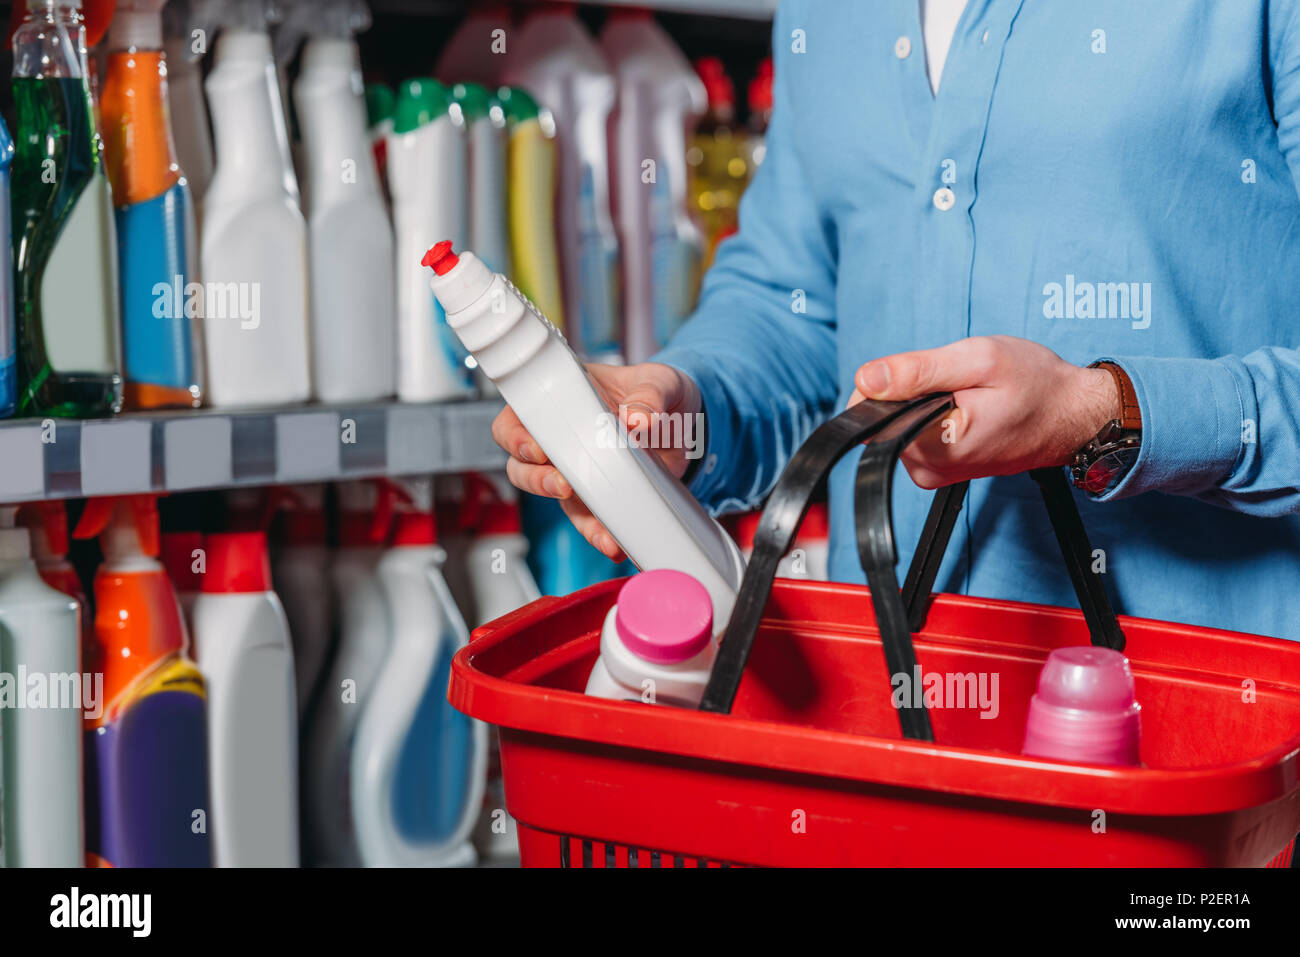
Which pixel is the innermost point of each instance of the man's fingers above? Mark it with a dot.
(509, 433)
(966, 364)
(591, 529)
(544, 480)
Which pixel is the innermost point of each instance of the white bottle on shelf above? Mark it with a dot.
(247, 664)
(254, 245)
(40, 740)
(363, 639)
(428, 178)
(416, 806)
(660, 98)
(353, 312)
(188, 108)
(651, 515)
(555, 59)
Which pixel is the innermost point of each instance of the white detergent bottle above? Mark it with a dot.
(185, 43)
(362, 618)
(656, 645)
(353, 309)
(40, 737)
(651, 515)
(427, 174)
(418, 765)
(660, 98)
(497, 565)
(247, 662)
(479, 49)
(254, 244)
(300, 569)
(557, 60)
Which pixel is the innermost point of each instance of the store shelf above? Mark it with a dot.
(65, 458)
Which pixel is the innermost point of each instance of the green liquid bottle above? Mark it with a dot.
(65, 269)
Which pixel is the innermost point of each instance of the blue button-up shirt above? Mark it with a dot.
(1123, 185)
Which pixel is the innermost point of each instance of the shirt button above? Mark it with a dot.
(944, 199)
(902, 47)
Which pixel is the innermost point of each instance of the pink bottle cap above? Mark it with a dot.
(664, 616)
(1085, 709)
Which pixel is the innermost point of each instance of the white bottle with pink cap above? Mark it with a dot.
(651, 515)
(657, 643)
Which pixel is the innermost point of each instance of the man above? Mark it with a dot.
(1104, 181)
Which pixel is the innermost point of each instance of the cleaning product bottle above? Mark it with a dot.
(1085, 709)
(651, 515)
(530, 201)
(381, 102)
(183, 556)
(479, 49)
(657, 642)
(300, 569)
(363, 639)
(8, 373)
(659, 99)
(40, 720)
(65, 261)
(454, 536)
(716, 158)
(147, 752)
(247, 661)
(353, 313)
(557, 60)
(155, 215)
(428, 178)
(496, 561)
(254, 246)
(418, 765)
(185, 43)
(47, 525)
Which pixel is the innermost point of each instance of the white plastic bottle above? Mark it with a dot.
(300, 569)
(651, 515)
(353, 312)
(418, 766)
(254, 245)
(497, 566)
(558, 61)
(189, 108)
(656, 644)
(246, 660)
(427, 174)
(660, 98)
(40, 738)
(363, 639)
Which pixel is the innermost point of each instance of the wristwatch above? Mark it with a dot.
(1104, 461)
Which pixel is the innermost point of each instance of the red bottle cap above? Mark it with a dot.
(238, 563)
(178, 558)
(441, 258)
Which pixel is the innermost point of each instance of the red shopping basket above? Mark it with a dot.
(810, 768)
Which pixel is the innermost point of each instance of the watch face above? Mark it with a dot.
(1108, 470)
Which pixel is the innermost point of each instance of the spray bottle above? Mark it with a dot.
(530, 201)
(556, 59)
(418, 765)
(41, 769)
(254, 247)
(479, 49)
(155, 214)
(659, 99)
(146, 753)
(427, 175)
(363, 638)
(351, 240)
(381, 102)
(65, 264)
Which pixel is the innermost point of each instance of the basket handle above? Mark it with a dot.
(887, 428)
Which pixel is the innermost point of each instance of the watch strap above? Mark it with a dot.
(1130, 414)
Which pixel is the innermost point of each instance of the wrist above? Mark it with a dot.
(1098, 402)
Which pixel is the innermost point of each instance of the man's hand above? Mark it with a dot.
(1020, 406)
(633, 391)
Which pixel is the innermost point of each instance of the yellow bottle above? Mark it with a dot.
(718, 159)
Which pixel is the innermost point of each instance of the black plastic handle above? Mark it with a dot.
(887, 428)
